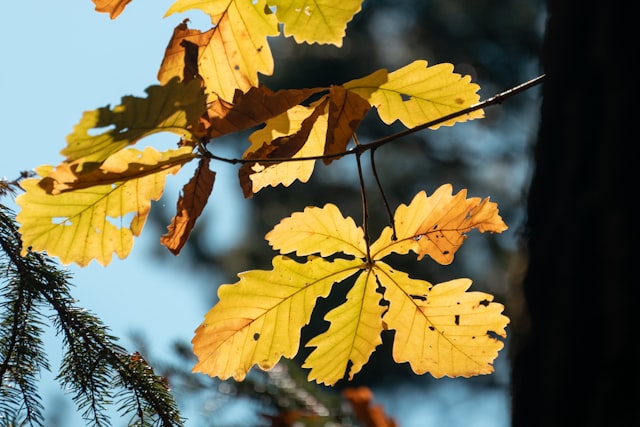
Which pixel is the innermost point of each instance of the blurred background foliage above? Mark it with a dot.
(497, 42)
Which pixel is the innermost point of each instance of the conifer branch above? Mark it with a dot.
(94, 368)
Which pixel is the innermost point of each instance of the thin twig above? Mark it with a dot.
(360, 148)
(392, 223)
(365, 209)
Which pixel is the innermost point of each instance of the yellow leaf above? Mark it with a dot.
(299, 132)
(233, 52)
(321, 231)
(353, 334)
(173, 107)
(322, 21)
(441, 329)
(417, 94)
(86, 221)
(181, 57)
(436, 225)
(258, 320)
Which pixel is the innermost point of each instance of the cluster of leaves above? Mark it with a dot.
(208, 88)
(94, 369)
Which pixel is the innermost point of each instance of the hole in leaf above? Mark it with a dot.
(61, 220)
(101, 130)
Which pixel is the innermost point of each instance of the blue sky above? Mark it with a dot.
(59, 61)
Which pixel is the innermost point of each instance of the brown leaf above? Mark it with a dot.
(254, 107)
(283, 147)
(190, 205)
(346, 111)
(371, 416)
(113, 7)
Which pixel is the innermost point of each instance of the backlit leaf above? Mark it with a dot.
(322, 231)
(417, 94)
(190, 205)
(442, 329)
(299, 132)
(112, 7)
(233, 52)
(177, 61)
(321, 21)
(353, 334)
(252, 108)
(346, 111)
(437, 225)
(258, 320)
(88, 223)
(173, 107)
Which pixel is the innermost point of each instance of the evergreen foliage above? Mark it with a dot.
(95, 370)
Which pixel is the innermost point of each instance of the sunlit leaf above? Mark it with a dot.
(178, 60)
(113, 7)
(100, 133)
(252, 108)
(321, 21)
(346, 111)
(417, 94)
(442, 329)
(437, 225)
(299, 132)
(233, 52)
(322, 231)
(191, 203)
(258, 320)
(89, 222)
(353, 334)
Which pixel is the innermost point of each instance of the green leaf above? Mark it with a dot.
(173, 107)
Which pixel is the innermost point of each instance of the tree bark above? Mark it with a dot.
(574, 361)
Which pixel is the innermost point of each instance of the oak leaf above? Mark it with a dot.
(441, 329)
(322, 21)
(233, 52)
(182, 55)
(417, 94)
(352, 336)
(346, 111)
(252, 108)
(258, 320)
(299, 132)
(437, 225)
(173, 107)
(86, 220)
(190, 205)
(113, 7)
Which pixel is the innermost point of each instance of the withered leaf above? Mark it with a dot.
(191, 203)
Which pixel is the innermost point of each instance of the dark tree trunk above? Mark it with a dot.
(576, 363)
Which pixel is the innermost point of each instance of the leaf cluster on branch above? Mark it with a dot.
(209, 87)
